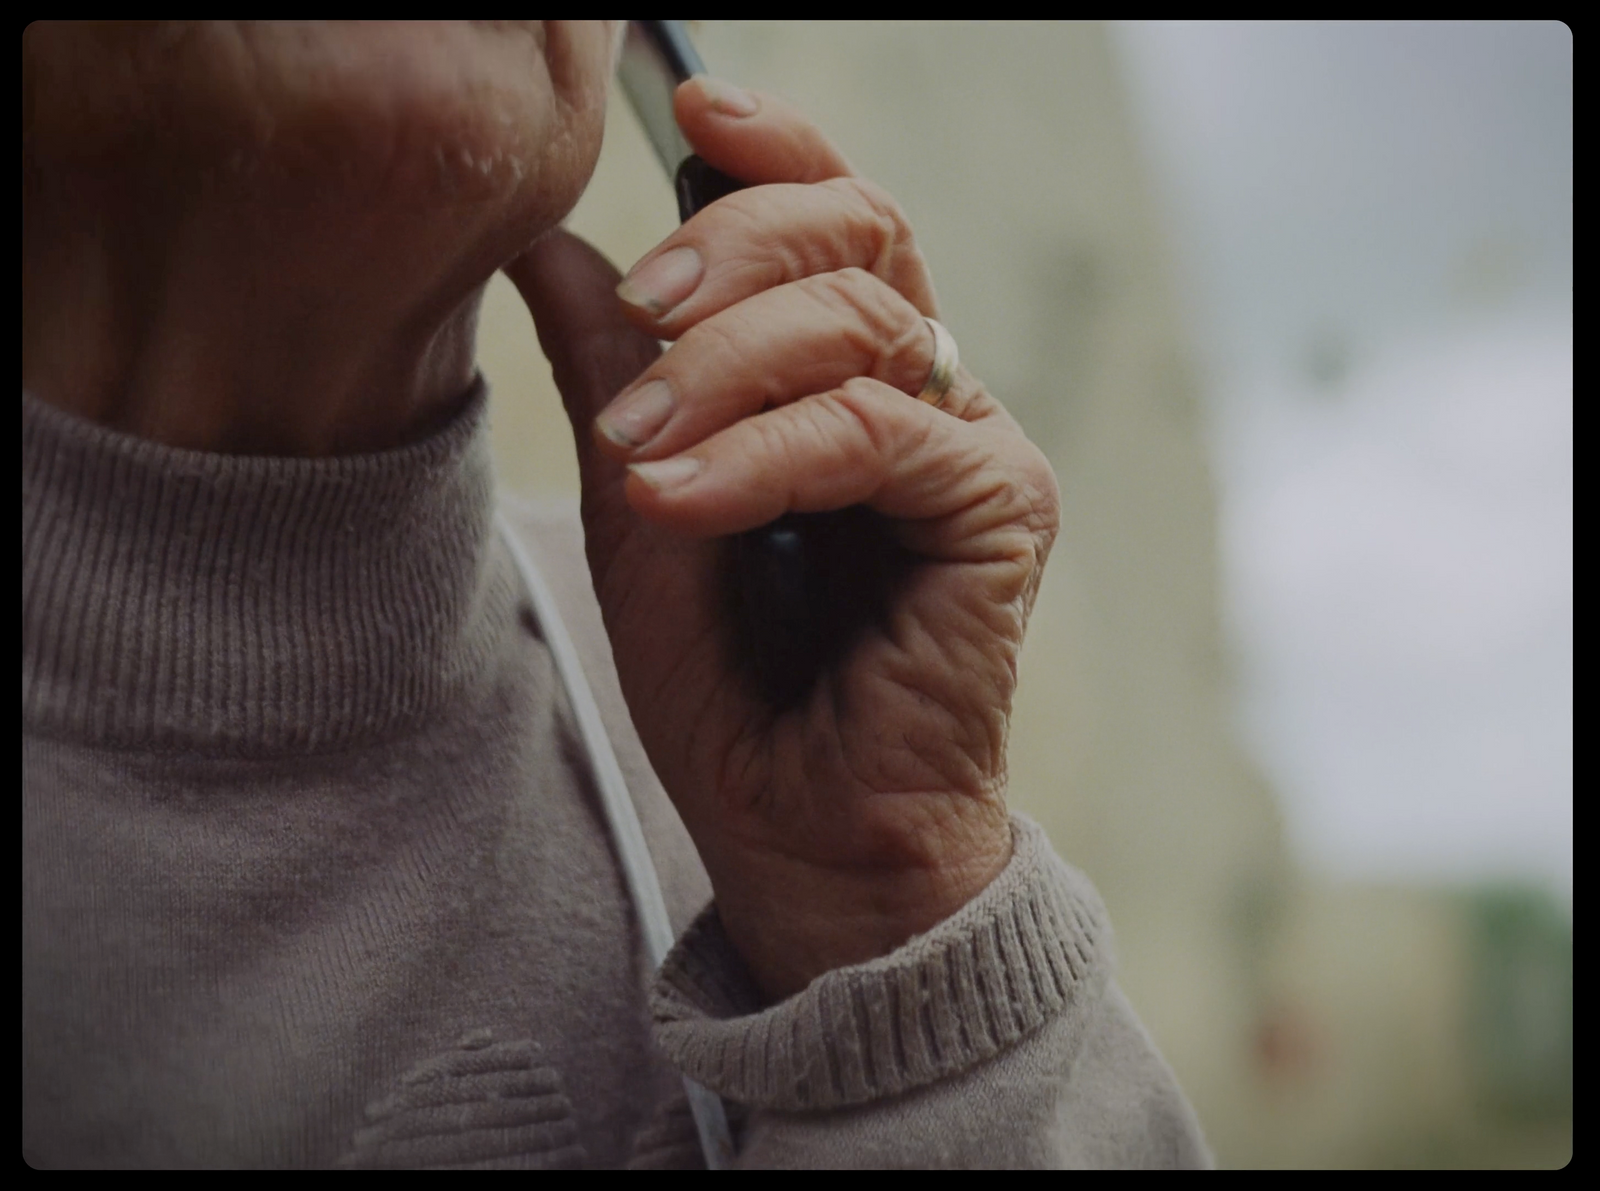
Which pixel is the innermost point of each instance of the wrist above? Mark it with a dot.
(792, 921)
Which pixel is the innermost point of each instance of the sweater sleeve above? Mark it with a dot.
(997, 1039)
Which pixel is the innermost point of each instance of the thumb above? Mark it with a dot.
(652, 602)
(570, 290)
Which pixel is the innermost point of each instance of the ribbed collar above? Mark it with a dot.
(247, 605)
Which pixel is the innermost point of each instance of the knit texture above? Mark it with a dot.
(1030, 947)
(241, 605)
(314, 873)
(304, 808)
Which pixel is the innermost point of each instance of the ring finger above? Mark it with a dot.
(780, 345)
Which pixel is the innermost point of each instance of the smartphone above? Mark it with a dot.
(656, 57)
(800, 590)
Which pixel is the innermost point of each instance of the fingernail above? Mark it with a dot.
(667, 473)
(726, 98)
(634, 418)
(661, 283)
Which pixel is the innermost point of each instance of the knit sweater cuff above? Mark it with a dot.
(1031, 946)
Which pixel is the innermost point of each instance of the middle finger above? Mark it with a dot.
(766, 236)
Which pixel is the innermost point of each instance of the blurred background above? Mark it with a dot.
(1289, 307)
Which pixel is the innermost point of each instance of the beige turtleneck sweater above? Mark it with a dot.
(314, 873)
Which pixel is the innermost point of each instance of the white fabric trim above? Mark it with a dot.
(637, 868)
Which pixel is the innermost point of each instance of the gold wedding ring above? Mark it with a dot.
(945, 360)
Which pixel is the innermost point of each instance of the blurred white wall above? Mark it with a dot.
(1372, 228)
(1374, 231)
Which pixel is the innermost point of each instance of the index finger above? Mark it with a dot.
(754, 137)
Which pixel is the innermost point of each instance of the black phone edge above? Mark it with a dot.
(671, 41)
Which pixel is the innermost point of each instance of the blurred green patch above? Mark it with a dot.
(1520, 1013)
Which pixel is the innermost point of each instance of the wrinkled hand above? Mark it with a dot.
(836, 829)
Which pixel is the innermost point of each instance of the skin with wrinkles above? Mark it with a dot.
(273, 239)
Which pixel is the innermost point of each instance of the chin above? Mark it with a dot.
(446, 112)
(423, 112)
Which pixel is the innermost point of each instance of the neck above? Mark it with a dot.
(313, 328)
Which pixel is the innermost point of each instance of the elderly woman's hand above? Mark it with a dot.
(835, 829)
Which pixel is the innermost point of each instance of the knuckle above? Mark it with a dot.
(877, 307)
(1022, 504)
(739, 225)
(879, 218)
(844, 420)
(876, 208)
(848, 424)
(715, 337)
(882, 325)
(821, 440)
(1039, 499)
(774, 437)
(887, 428)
